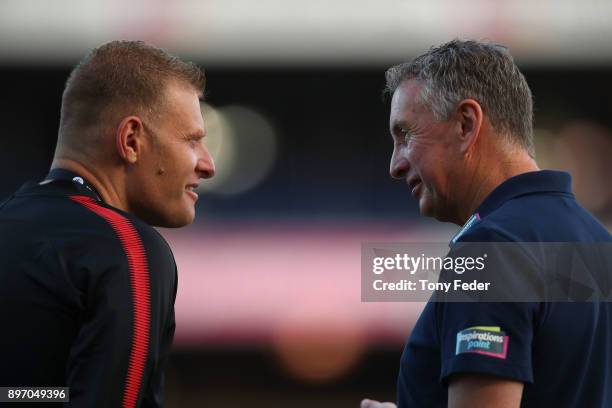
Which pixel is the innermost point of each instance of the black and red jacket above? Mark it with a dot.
(87, 296)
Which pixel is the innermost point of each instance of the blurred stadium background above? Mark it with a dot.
(268, 309)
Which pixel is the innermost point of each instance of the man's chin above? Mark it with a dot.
(179, 221)
(173, 224)
(427, 209)
(176, 219)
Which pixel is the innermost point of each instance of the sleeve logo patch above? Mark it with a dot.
(487, 340)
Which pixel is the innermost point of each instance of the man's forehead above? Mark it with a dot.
(407, 92)
(404, 99)
(184, 104)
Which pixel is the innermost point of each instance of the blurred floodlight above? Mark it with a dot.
(315, 346)
(215, 128)
(243, 145)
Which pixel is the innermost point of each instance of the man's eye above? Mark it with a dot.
(406, 135)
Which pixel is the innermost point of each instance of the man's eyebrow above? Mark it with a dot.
(197, 134)
(400, 124)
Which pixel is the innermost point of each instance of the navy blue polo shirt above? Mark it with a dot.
(562, 352)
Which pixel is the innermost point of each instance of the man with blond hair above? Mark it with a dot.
(87, 286)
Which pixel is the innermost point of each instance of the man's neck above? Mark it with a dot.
(100, 181)
(489, 174)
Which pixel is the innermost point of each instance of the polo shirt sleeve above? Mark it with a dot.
(483, 337)
(487, 338)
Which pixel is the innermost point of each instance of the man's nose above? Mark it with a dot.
(206, 165)
(399, 166)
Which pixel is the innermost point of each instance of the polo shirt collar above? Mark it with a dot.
(541, 181)
(79, 182)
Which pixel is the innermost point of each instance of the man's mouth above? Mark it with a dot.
(190, 190)
(415, 186)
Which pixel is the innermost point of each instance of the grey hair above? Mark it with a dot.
(482, 71)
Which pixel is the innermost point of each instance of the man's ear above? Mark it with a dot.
(129, 138)
(470, 117)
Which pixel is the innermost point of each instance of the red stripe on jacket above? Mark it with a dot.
(139, 279)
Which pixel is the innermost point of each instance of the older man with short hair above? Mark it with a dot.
(461, 123)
